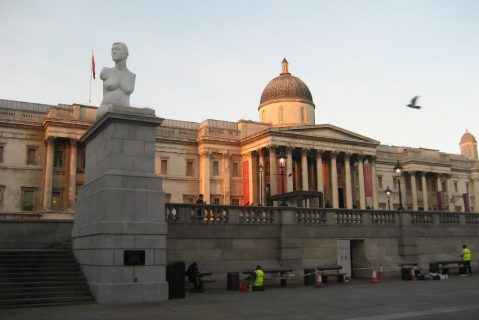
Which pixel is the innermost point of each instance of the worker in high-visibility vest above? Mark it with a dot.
(258, 284)
(466, 260)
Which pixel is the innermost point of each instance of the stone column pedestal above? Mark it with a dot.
(119, 235)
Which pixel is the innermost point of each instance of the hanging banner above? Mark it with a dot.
(367, 180)
(440, 200)
(245, 182)
(465, 197)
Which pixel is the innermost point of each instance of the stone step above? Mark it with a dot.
(39, 289)
(21, 269)
(29, 279)
(44, 294)
(43, 301)
(47, 304)
(39, 273)
(51, 283)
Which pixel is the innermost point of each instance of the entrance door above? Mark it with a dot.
(344, 255)
(341, 198)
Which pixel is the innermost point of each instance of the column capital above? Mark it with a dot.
(227, 155)
(348, 155)
(50, 139)
(73, 141)
(205, 154)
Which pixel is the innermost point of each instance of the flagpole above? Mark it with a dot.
(91, 76)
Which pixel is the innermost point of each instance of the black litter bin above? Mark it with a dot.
(175, 275)
(309, 277)
(232, 280)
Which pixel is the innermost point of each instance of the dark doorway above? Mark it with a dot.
(341, 197)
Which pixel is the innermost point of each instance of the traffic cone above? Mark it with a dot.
(374, 278)
(413, 273)
(381, 272)
(319, 279)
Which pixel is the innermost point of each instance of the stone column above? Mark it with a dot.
(227, 178)
(438, 183)
(374, 180)
(73, 174)
(424, 191)
(319, 170)
(273, 176)
(262, 180)
(48, 178)
(449, 193)
(334, 180)
(362, 192)
(414, 190)
(475, 183)
(304, 170)
(252, 178)
(347, 177)
(205, 175)
(289, 170)
(403, 191)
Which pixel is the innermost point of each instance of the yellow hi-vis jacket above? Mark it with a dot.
(259, 278)
(466, 254)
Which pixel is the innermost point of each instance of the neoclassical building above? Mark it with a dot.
(283, 157)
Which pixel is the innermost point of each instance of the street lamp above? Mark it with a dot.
(398, 171)
(388, 194)
(261, 168)
(282, 161)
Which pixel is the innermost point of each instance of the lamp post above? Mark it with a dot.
(261, 169)
(398, 171)
(388, 194)
(282, 161)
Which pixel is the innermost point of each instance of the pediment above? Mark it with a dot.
(328, 131)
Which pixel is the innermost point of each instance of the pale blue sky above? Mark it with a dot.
(363, 60)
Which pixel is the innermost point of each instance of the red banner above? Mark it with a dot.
(467, 207)
(367, 180)
(245, 182)
(440, 200)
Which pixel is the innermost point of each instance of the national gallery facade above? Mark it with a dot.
(284, 158)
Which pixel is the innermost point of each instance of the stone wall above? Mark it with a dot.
(232, 238)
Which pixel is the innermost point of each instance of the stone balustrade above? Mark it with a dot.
(222, 214)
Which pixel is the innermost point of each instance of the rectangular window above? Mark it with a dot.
(235, 201)
(27, 199)
(2, 196)
(57, 200)
(58, 159)
(189, 168)
(216, 168)
(164, 167)
(380, 182)
(303, 116)
(31, 156)
(2, 148)
(235, 169)
(188, 199)
(215, 200)
(455, 187)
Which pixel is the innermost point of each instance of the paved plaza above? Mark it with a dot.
(456, 298)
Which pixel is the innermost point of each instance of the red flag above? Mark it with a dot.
(93, 65)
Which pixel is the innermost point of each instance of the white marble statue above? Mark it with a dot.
(118, 82)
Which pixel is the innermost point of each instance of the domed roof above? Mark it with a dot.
(467, 137)
(285, 88)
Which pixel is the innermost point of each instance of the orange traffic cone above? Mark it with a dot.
(374, 278)
(413, 273)
(381, 272)
(319, 279)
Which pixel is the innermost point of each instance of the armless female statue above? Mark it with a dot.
(118, 82)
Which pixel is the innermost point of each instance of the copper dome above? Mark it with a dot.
(285, 88)
(467, 137)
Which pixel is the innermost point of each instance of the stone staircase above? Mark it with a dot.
(34, 278)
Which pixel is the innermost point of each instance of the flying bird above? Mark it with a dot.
(413, 104)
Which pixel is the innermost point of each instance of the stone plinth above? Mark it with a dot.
(121, 208)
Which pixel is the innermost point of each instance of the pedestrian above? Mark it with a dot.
(199, 201)
(194, 277)
(258, 279)
(466, 261)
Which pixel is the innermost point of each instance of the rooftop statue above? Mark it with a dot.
(118, 82)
